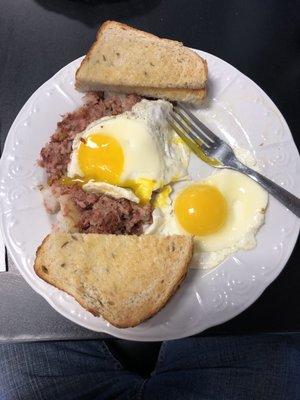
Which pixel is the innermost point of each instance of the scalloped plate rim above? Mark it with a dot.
(125, 334)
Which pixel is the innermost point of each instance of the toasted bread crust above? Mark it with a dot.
(193, 96)
(119, 310)
(167, 64)
(109, 24)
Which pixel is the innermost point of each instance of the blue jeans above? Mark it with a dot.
(260, 367)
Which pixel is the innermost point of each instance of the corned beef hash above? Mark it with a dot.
(116, 166)
(109, 162)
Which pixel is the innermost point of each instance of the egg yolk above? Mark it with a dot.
(163, 197)
(142, 188)
(200, 209)
(77, 180)
(101, 157)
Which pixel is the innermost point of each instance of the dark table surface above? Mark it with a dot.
(260, 38)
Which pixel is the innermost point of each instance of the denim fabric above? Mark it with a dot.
(262, 367)
(259, 367)
(63, 371)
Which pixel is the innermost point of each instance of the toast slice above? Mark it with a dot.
(128, 57)
(125, 279)
(193, 96)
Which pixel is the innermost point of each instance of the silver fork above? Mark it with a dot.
(220, 155)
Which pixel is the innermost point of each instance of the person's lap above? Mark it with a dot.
(237, 367)
(63, 370)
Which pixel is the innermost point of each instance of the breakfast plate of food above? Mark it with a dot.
(116, 219)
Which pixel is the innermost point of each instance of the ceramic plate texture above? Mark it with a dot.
(239, 111)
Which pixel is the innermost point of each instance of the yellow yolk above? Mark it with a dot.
(161, 199)
(65, 180)
(142, 188)
(201, 209)
(101, 157)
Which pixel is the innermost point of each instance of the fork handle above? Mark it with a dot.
(286, 198)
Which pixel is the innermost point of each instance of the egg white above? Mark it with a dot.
(246, 202)
(151, 148)
(111, 190)
(153, 151)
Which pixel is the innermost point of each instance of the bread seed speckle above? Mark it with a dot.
(118, 54)
(74, 237)
(44, 269)
(83, 140)
(104, 58)
(63, 265)
(152, 65)
(64, 244)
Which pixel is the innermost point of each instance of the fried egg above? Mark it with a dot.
(111, 190)
(137, 150)
(138, 156)
(223, 213)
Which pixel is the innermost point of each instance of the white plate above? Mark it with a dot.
(239, 111)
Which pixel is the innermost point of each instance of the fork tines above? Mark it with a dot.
(192, 127)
